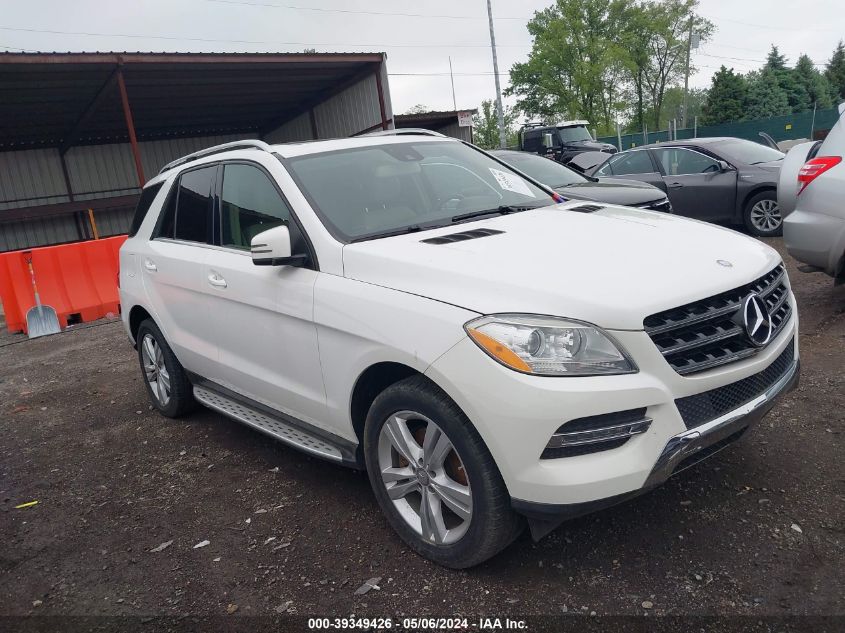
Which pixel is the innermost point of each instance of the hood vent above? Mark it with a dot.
(586, 208)
(461, 237)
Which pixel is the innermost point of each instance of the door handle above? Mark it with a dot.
(216, 280)
(675, 185)
(150, 265)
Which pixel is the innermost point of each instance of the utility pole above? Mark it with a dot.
(501, 112)
(452, 77)
(686, 75)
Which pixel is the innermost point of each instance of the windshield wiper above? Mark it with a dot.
(501, 210)
(406, 229)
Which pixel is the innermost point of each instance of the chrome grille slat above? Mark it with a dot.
(705, 334)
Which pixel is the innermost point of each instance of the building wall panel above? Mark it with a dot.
(297, 129)
(21, 234)
(456, 131)
(350, 111)
(35, 174)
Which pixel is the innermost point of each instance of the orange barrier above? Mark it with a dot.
(79, 280)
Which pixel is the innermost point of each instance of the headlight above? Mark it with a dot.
(548, 346)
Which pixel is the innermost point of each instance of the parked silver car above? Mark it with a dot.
(719, 179)
(811, 193)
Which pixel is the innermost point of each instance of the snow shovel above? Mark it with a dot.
(40, 319)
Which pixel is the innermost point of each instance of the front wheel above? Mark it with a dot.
(434, 478)
(762, 215)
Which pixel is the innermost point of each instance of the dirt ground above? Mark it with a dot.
(756, 531)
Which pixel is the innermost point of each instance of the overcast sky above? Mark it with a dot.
(418, 37)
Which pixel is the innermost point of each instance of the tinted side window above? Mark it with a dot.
(167, 218)
(679, 162)
(193, 208)
(531, 142)
(632, 163)
(249, 205)
(144, 203)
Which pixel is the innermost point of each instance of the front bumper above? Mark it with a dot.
(681, 451)
(516, 415)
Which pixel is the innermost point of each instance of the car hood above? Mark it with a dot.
(612, 267)
(613, 191)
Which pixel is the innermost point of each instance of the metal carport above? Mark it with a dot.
(79, 132)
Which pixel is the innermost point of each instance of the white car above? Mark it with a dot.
(811, 192)
(412, 306)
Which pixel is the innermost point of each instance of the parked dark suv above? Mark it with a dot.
(562, 142)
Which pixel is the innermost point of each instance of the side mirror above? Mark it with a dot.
(272, 248)
(724, 166)
(547, 140)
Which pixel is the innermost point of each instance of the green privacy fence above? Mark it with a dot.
(780, 128)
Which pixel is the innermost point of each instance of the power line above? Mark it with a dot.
(265, 42)
(770, 27)
(358, 12)
(748, 59)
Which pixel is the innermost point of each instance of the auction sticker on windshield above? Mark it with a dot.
(510, 182)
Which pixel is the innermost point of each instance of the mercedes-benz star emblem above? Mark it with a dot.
(756, 319)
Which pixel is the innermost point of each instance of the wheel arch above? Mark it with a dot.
(137, 315)
(754, 192)
(370, 383)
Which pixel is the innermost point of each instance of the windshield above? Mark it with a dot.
(569, 134)
(372, 191)
(541, 169)
(747, 152)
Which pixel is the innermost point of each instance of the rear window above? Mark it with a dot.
(144, 203)
(746, 152)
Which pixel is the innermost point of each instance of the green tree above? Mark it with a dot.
(775, 60)
(671, 21)
(569, 72)
(726, 99)
(485, 126)
(673, 105)
(815, 83)
(835, 72)
(796, 93)
(766, 98)
(417, 109)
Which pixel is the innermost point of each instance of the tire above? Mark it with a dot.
(462, 464)
(179, 398)
(762, 215)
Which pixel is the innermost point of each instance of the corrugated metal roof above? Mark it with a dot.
(65, 99)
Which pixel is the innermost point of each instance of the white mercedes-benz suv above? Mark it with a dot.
(491, 355)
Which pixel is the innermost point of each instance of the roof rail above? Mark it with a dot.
(409, 131)
(225, 147)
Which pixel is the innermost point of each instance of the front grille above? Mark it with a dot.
(708, 333)
(704, 407)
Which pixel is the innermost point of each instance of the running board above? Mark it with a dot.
(272, 426)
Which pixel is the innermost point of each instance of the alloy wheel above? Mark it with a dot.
(155, 369)
(765, 215)
(424, 477)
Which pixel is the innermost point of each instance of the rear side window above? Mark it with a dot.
(144, 202)
(193, 205)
